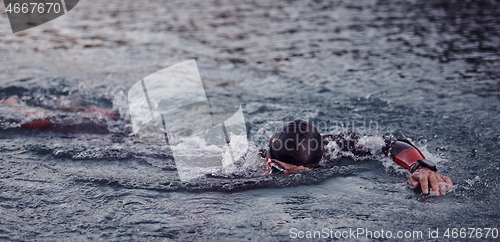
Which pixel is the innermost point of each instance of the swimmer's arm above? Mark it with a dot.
(422, 177)
(423, 172)
(403, 153)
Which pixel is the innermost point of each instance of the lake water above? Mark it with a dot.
(428, 72)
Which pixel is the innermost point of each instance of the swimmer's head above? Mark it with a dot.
(297, 143)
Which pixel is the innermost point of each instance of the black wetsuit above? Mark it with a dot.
(351, 144)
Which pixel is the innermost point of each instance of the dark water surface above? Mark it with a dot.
(427, 71)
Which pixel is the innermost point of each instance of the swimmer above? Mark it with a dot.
(41, 118)
(297, 146)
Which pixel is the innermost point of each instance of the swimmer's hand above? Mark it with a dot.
(424, 177)
(11, 101)
(291, 169)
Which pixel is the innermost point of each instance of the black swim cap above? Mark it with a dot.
(297, 143)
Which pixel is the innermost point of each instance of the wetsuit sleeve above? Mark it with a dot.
(356, 146)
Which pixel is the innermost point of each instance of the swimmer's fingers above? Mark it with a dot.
(444, 183)
(440, 183)
(430, 183)
(430, 180)
(413, 182)
(434, 184)
(420, 178)
(448, 182)
(439, 187)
